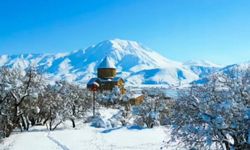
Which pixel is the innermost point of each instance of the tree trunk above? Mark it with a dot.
(45, 121)
(15, 117)
(74, 110)
(227, 145)
(73, 123)
(32, 120)
(8, 131)
(50, 124)
(93, 103)
(27, 123)
(24, 125)
(57, 125)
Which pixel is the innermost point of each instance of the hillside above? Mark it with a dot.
(136, 63)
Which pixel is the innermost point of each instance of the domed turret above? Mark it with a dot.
(106, 69)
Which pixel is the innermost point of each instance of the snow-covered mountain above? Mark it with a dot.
(136, 63)
(236, 67)
(231, 70)
(203, 63)
(202, 68)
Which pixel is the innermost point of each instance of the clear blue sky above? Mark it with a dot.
(216, 30)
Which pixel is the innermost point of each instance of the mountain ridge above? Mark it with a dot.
(136, 63)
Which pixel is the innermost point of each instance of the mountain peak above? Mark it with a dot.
(123, 42)
(120, 44)
(203, 63)
(134, 62)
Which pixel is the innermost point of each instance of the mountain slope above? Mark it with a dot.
(234, 70)
(202, 68)
(135, 63)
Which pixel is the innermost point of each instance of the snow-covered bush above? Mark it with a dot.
(119, 119)
(115, 99)
(152, 111)
(216, 114)
(111, 120)
(99, 122)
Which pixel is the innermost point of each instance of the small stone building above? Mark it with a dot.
(106, 77)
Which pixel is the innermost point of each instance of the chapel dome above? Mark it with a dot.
(106, 69)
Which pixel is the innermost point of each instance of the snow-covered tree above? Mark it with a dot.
(216, 114)
(109, 98)
(76, 101)
(153, 111)
(27, 99)
(63, 101)
(19, 90)
(114, 99)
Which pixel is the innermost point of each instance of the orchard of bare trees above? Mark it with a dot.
(27, 99)
(216, 114)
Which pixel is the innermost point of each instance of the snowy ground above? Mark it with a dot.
(86, 138)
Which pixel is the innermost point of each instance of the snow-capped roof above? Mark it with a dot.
(92, 81)
(97, 80)
(106, 63)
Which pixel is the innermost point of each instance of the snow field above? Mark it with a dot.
(86, 138)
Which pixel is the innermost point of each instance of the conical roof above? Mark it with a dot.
(106, 63)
